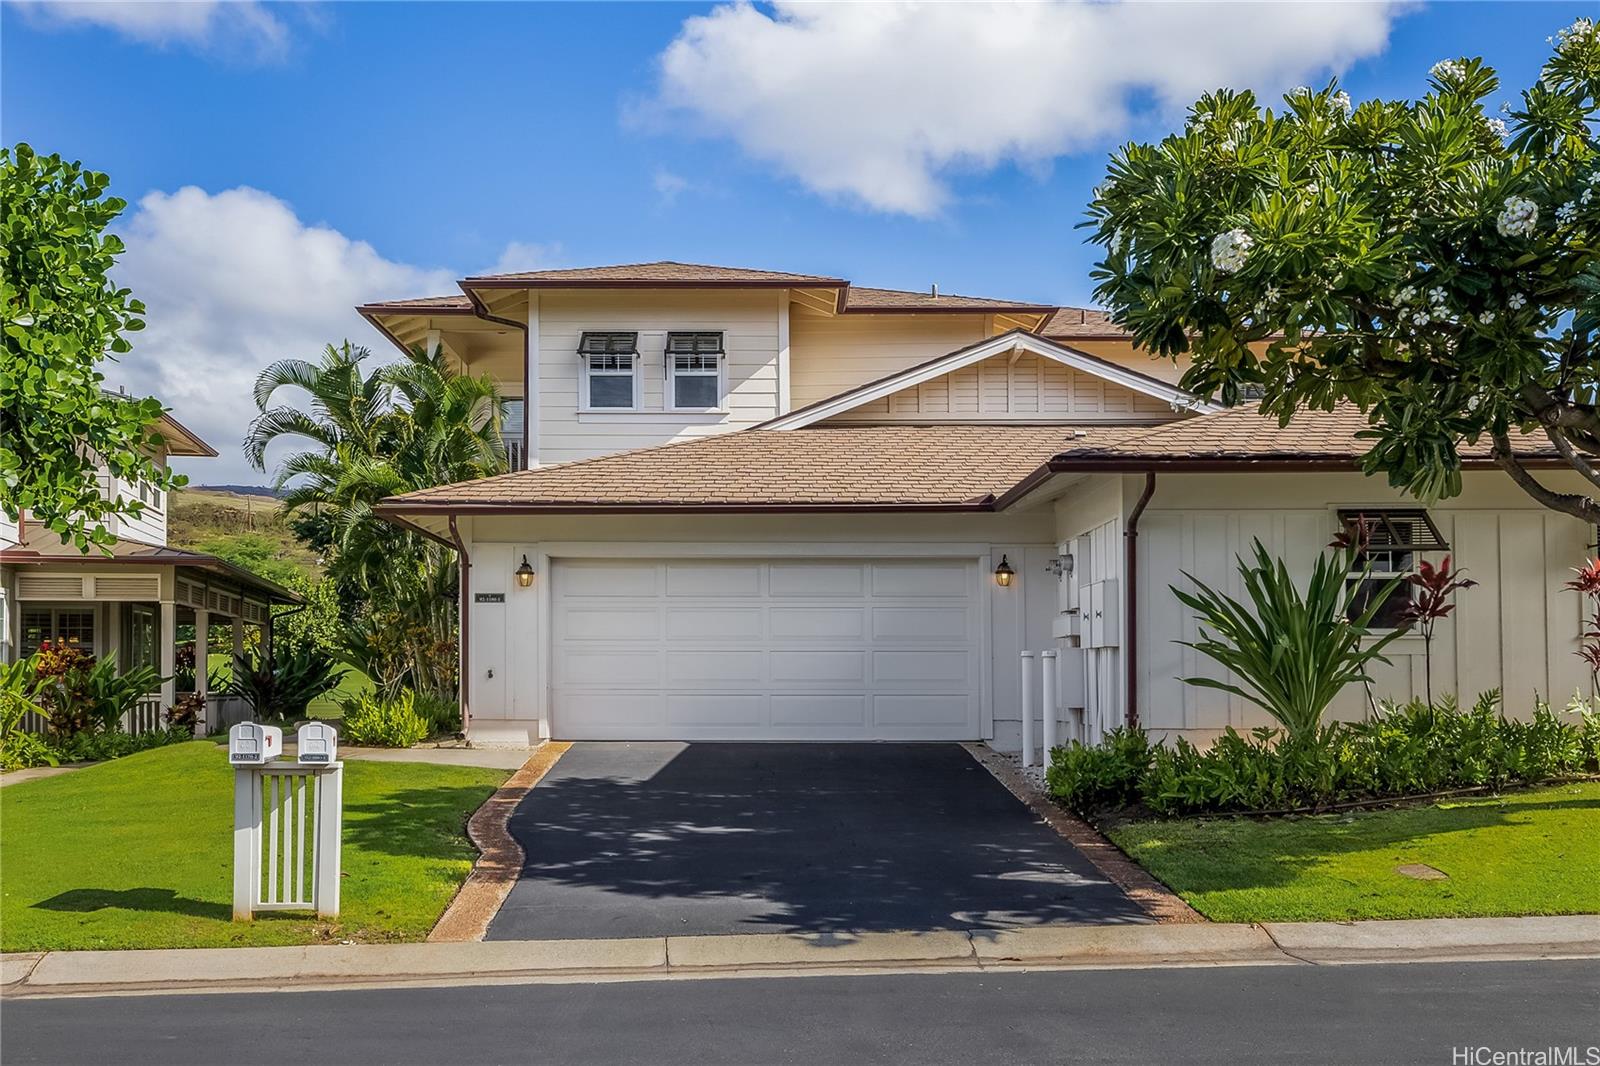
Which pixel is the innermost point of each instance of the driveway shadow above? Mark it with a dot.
(661, 839)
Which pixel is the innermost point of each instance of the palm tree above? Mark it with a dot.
(406, 426)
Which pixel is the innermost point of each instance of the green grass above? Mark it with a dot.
(138, 853)
(1529, 852)
(352, 684)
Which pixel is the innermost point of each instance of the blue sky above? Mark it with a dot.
(454, 138)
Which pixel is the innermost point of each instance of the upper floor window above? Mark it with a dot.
(694, 370)
(610, 370)
(1389, 540)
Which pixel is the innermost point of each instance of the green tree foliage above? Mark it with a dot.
(395, 429)
(62, 316)
(1428, 261)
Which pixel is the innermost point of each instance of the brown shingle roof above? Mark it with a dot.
(664, 272)
(860, 298)
(433, 304)
(1081, 322)
(49, 551)
(836, 466)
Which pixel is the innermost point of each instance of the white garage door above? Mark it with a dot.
(766, 650)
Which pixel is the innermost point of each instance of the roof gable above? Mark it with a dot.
(1006, 344)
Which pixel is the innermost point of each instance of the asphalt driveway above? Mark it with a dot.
(654, 839)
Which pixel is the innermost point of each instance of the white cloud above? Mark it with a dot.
(669, 186)
(521, 256)
(881, 103)
(203, 24)
(232, 281)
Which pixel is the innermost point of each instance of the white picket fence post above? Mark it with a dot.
(274, 797)
(1047, 701)
(1027, 707)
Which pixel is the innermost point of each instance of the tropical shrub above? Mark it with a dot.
(298, 674)
(1293, 652)
(442, 713)
(61, 680)
(184, 714)
(1108, 774)
(94, 747)
(1407, 750)
(374, 721)
(1433, 589)
(20, 749)
(111, 693)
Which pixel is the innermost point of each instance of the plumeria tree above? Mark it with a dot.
(1429, 261)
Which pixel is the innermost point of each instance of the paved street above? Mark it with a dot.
(1371, 1014)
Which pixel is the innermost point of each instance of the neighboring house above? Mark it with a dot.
(757, 505)
(130, 604)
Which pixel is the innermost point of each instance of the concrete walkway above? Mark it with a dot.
(1052, 947)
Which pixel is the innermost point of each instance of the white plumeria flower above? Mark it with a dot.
(1588, 194)
(1567, 212)
(1517, 301)
(1518, 217)
(1436, 295)
(1229, 250)
(1341, 101)
(1448, 70)
(1271, 295)
(1487, 318)
(1497, 126)
(1420, 318)
(1406, 295)
(1573, 34)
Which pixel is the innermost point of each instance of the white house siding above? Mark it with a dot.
(511, 647)
(1089, 520)
(748, 319)
(1516, 631)
(829, 355)
(1029, 388)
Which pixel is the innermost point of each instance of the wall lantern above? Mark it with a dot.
(525, 573)
(1003, 573)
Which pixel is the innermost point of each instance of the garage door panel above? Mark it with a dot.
(612, 623)
(714, 623)
(715, 580)
(816, 580)
(919, 579)
(707, 649)
(821, 668)
(817, 623)
(920, 624)
(814, 710)
(716, 709)
(921, 667)
(702, 666)
(926, 709)
(608, 667)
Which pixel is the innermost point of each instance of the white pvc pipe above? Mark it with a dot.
(1047, 703)
(1027, 708)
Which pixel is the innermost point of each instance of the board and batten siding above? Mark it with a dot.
(832, 355)
(1516, 631)
(1028, 388)
(748, 320)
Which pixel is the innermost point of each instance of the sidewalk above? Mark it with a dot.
(1049, 947)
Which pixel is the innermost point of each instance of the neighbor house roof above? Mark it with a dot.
(1082, 322)
(179, 438)
(857, 298)
(900, 467)
(664, 272)
(427, 305)
(132, 553)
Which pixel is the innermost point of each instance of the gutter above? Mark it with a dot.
(463, 655)
(1130, 611)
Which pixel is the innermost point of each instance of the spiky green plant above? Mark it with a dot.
(1291, 651)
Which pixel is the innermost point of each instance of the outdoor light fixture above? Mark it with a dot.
(525, 573)
(1003, 573)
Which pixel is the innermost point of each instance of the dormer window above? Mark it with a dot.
(610, 370)
(694, 371)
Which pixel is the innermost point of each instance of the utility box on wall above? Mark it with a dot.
(1102, 622)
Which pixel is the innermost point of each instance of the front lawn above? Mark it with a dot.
(138, 853)
(1526, 852)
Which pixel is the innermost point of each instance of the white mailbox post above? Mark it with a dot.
(275, 796)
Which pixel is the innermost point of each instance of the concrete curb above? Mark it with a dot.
(191, 970)
(1155, 898)
(500, 857)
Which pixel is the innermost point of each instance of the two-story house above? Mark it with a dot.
(134, 603)
(748, 504)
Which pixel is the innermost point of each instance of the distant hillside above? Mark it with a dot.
(245, 528)
(240, 490)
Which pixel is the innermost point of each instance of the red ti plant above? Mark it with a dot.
(1588, 583)
(1432, 592)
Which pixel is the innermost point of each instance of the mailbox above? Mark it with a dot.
(252, 744)
(318, 743)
